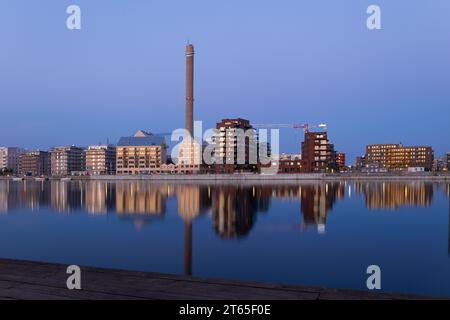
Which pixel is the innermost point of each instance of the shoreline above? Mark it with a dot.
(303, 177)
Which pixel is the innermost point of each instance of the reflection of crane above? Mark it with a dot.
(306, 127)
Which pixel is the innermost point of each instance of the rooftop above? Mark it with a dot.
(141, 138)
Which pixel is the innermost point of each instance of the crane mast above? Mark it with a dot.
(306, 127)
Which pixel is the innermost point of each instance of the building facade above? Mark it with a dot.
(287, 163)
(9, 159)
(101, 160)
(236, 146)
(440, 164)
(35, 164)
(143, 153)
(318, 153)
(448, 161)
(340, 160)
(190, 158)
(290, 166)
(67, 160)
(403, 158)
(396, 157)
(360, 162)
(376, 154)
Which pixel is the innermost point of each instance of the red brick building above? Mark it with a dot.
(237, 146)
(340, 160)
(318, 153)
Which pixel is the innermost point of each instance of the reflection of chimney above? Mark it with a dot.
(190, 88)
(188, 248)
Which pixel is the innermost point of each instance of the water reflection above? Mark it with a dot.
(317, 201)
(139, 199)
(448, 196)
(192, 200)
(385, 195)
(231, 211)
(234, 208)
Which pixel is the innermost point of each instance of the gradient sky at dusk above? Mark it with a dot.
(284, 61)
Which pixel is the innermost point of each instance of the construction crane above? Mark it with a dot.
(306, 127)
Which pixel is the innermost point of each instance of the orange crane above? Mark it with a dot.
(306, 126)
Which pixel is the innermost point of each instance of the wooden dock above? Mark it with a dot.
(45, 281)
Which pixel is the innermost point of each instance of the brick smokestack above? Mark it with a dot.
(190, 88)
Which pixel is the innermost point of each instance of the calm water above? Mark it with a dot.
(312, 234)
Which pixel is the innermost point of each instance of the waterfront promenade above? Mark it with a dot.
(43, 281)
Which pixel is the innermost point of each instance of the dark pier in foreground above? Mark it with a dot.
(33, 280)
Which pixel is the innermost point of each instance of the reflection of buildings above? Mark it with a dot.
(141, 202)
(28, 194)
(448, 197)
(140, 198)
(66, 196)
(317, 200)
(234, 209)
(192, 199)
(33, 194)
(393, 195)
(4, 194)
(100, 197)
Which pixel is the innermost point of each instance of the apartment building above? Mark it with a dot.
(318, 153)
(189, 156)
(67, 160)
(101, 160)
(143, 153)
(340, 161)
(236, 146)
(35, 164)
(290, 166)
(396, 157)
(360, 162)
(403, 158)
(286, 163)
(376, 154)
(9, 159)
(448, 161)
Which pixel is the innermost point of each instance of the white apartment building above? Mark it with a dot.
(9, 158)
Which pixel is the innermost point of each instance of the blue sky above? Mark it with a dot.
(284, 61)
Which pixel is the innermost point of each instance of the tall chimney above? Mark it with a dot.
(190, 88)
